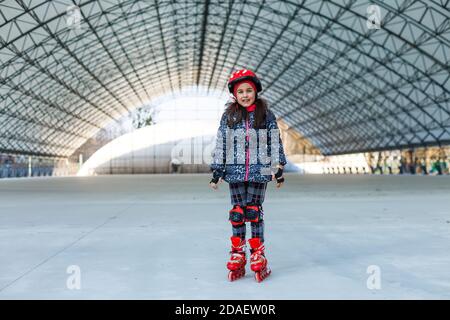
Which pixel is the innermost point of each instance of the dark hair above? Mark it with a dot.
(235, 113)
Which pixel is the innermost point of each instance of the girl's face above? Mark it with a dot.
(245, 95)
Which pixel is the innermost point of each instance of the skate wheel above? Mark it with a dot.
(234, 275)
(261, 275)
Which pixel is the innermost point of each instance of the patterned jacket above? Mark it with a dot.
(243, 153)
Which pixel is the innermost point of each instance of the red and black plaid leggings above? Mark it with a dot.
(243, 193)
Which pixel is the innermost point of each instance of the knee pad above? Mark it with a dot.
(253, 213)
(237, 216)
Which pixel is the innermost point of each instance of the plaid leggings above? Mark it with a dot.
(243, 193)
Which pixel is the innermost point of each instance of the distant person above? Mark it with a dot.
(423, 166)
(413, 166)
(389, 164)
(176, 165)
(443, 165)
(435, 166)
(440, 168)
(402, 166)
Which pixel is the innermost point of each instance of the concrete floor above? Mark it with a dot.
(166, 237)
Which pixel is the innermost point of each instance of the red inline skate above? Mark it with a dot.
(237, 262)
(258, 261)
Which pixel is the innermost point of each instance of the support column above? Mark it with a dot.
(29, 166)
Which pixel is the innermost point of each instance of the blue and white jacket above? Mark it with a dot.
(249, 156)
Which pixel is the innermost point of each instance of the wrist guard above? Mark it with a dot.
(216, 176)
(279, 175)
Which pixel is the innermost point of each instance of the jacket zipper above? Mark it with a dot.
(247, 151)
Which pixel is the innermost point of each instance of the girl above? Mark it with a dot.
(244, 166)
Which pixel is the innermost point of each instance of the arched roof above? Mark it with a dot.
(70, 67)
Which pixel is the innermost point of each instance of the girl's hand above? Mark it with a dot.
(279, 184)
(278, 176)
(215, 186)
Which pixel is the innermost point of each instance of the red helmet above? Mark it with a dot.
(244, 74)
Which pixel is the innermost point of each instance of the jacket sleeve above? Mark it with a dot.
(272, 124)
(219, 154)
